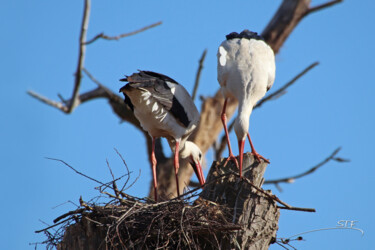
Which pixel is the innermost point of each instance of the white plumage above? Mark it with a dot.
(246, 71)
(165, 109)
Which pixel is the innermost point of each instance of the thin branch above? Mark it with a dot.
(103, 36)
(92, 78)
(303, 209)
(198, 75)
(58, 105)
(99, 92)
(81, 57)
(322, 6)
(285, 86)
(77, 211)
(311, 170)
(54, 225)
(66, 164)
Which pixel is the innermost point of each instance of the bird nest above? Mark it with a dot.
(128, 222)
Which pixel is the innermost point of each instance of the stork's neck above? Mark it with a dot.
(241, 124)
(186, 149)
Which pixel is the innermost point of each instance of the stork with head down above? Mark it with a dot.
(165, 109)
(245, 71)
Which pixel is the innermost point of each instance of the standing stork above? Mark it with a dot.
(165, 109)
(245, 71)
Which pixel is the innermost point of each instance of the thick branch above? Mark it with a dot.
(118, 37)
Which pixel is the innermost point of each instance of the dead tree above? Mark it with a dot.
(249, 201)
(287, 17)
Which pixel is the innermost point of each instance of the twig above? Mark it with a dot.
(99, 92)
(54, 225)
(198, 75)
(298, 209)
(77, 211)
(311, 170)
(273, 96)
(284, 87)
(92, 78)
(47, 101)
(127, 169)
(103, 36)
(66, 164)
(322, 6)
(81, 56)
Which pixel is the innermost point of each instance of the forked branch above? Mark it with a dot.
(291, 179)
(118, 37)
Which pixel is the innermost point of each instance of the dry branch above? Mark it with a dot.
(287, 17)
(118, 37)
(198, 75)
(323, 6)
(81, 56)
(282, 89)
(291, 179)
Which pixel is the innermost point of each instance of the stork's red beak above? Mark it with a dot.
(199, 172)
(241, 146)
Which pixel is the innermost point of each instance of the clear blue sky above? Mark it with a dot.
(331, 106)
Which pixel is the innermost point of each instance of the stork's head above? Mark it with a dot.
(193, 154)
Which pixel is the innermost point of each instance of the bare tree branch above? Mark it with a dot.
(287, 17)
(197, 77)
(285, 86)
(81, 56)
(118, 37)
(47, 101)
(291, 179)
(303, 209)
(75, 170)
(322, 6)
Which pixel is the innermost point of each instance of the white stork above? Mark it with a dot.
(245, 71)
(165, 109)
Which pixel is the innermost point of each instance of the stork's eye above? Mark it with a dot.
(200, 156)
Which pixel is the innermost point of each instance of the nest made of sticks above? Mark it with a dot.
(128, 222)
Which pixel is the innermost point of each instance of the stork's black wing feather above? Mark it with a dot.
(160, 90)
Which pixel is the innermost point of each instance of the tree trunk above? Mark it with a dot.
(255, 212)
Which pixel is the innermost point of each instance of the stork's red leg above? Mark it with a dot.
(153, 160)
(254, 152)
(177, 165)
(224, 120)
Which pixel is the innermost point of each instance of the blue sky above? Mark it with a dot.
(330, 106)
